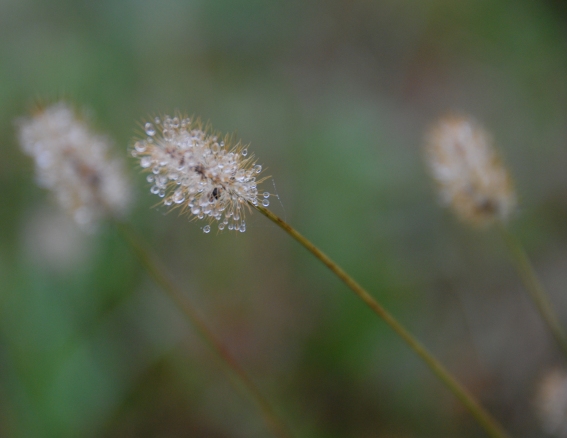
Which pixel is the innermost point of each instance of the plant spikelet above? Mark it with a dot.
(204, 174)
(468, 171)
(551, 403)
(74, 163)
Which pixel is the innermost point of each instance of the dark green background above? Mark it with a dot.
(334, 98)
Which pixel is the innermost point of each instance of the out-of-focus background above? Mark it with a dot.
(334, 98)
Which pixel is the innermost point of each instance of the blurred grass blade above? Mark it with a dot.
(534, 287)
(158, 273)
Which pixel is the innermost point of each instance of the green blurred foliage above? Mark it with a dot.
(334, 98)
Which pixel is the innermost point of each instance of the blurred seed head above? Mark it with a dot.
(468, 171)
(199, 172)
(74, 163)
(551, 403)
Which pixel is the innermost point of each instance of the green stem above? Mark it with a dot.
(534, 286)
(157, 272)
(490, 425)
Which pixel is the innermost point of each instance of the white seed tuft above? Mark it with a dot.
(74, 163)
(551, 403)
(196, 170)
(469, 172)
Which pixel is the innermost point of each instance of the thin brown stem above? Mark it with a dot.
(158, 273)
(490, 425)
(534, 287)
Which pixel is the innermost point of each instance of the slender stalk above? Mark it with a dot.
(157, 272)
(490, 425)
(534, 287)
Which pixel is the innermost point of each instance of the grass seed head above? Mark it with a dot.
(469, 172)
(206, 175)
(74, 163)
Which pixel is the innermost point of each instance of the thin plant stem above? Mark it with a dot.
(158, 273)
(490, 425)
(534, 287)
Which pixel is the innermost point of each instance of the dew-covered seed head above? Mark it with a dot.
(193, 168)
(468, 171)
(75, 164)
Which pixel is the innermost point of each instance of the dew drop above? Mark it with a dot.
(150, 178)
(150, 130)
(265, 202)
(157, 121)
(154, 189)
(167, 134)
(134, 153)
(206, 229)
(178, 197)
(266, 194)
(221, 226)
(161, 193)
(140, 146)
(168, 201)
(230, 226)
(146, 162)
(244, 152)
(257, 168)
(242, 228)
(155, 170)
(175, 123)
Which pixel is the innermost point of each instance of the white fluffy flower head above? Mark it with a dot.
(198, 171)
(469, 172)
(74, 163)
